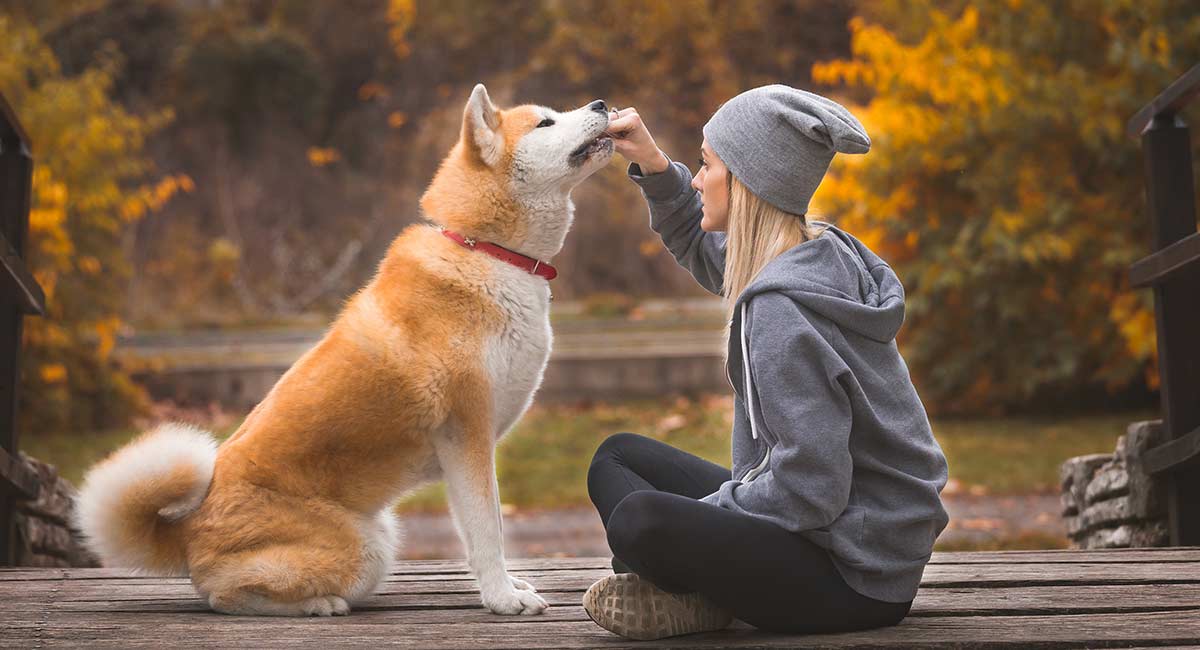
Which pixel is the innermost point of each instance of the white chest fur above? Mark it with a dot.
(516, 356)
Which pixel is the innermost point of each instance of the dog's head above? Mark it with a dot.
(509, 164)
(536, 147)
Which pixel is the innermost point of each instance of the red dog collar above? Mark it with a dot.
(529, 264)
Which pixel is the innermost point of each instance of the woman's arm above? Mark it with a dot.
(675, 209)
(675, 215)
(804, 413)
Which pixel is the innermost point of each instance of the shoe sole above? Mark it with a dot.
(626, 605)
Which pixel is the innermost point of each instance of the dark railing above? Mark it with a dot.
(1173, 271)
(19, 295)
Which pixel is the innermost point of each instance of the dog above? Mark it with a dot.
(423, 370)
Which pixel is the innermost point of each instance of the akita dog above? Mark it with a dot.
(421, 373)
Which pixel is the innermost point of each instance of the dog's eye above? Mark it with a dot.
(545, 122)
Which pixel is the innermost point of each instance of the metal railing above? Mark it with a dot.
(19, 295)
(1173, 271)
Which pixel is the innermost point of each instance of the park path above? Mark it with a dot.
(576, 532)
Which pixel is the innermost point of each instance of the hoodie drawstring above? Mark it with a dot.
(746, 372)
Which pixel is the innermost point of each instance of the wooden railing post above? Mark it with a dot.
(19, 295)
(1170, 199)
(1173, 271)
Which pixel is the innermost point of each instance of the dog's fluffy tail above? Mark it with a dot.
(130, 506)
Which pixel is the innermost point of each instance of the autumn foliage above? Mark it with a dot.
(1002, 187)
(246, 163)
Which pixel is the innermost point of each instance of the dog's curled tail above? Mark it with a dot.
(130, 506)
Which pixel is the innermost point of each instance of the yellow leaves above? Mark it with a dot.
(150, 198)
(106, 333)
(650, 247)
(322, 156)
(401, 15)
(223, 251)
(53, 373)
(397, 119)
(949, 65)
(1134, 320)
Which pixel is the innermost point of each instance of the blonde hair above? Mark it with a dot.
(757, 232)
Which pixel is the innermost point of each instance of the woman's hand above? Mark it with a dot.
(633, 140)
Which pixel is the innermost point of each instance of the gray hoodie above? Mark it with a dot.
(830, 439)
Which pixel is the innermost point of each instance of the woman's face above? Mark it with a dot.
(712, 183)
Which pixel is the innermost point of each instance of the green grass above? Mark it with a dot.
(1028, 541)
(543, 462)
(1022, 454)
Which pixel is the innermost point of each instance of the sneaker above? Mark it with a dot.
(628, 605)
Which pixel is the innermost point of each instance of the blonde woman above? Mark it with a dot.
(829, 514)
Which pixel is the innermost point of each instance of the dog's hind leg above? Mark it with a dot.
(246, 603)
(381, 537)
(282, 581)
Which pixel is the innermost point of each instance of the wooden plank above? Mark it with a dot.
(1167, 263)
(1181, 453)
(1002, 601)
(192, 630)
(1169, 102)
(519, 565)
(11, 131)
(952, 578)
(18, 283)
(1070, 556)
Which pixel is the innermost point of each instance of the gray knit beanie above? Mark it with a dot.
(779, 141)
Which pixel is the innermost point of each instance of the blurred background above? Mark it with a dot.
(213, 178)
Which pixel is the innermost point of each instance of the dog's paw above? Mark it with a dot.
(522, 585)
(515, 601)
(325, 606)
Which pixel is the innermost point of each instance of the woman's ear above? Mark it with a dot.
(481, 127)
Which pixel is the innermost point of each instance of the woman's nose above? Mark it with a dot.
(696, 185)
(599, 106)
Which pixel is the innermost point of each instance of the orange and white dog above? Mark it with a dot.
(422, 372)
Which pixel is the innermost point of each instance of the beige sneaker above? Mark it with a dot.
(634, 608)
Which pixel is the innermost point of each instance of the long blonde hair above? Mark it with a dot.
(757, 232)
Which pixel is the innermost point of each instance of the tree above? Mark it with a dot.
(1003, 189)
(90, 182)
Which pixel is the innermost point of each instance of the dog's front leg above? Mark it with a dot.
(467, 458)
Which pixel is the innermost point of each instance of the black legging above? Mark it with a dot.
(646, 493)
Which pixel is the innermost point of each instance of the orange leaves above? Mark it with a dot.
(322, 156)
(150, 198)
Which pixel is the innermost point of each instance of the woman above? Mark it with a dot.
(830, 512)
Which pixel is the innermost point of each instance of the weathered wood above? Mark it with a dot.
(1170, 101)
(1181, 453)
(1166, 263)
(1087, 599)
(1027, 599)
(151, 630)
(19, 294)
(17, 283)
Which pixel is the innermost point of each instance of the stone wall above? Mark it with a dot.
(1109, 501)
(44, 537)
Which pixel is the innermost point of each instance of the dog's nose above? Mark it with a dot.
(599, 106)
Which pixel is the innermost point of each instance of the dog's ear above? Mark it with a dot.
(481, 127)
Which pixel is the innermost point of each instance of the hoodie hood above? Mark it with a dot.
(838, 277)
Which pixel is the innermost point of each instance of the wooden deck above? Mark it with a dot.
(1111, 598)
